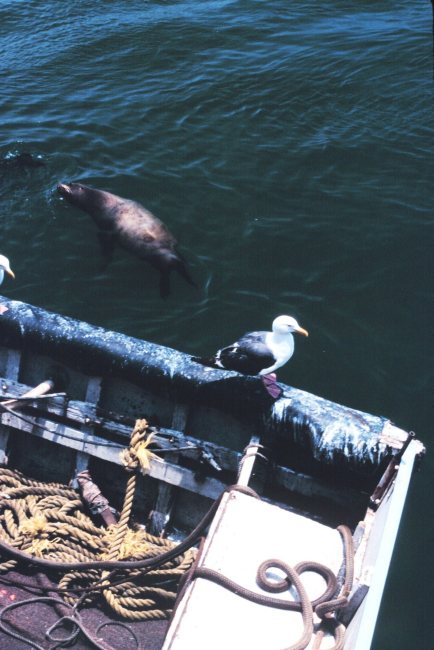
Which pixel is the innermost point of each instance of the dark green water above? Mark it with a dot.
(289, 147)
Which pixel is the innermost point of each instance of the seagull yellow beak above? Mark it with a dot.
(10, 273)
(300, 330)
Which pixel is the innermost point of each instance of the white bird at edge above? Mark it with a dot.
(5, 266)
(259, 353)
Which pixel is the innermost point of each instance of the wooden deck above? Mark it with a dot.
(245, 532)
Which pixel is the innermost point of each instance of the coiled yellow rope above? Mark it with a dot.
(48, 520)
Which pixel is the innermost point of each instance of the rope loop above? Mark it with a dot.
(138, 457)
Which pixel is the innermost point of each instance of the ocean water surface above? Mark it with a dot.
(289, 148)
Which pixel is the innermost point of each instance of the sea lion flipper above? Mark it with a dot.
(182, 270)
(107, 244)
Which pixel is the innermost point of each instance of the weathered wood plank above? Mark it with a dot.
(95, 446)
(311, 487)
(13, 364)
(81, 463)
(184, 478)
(88, 414)
(55, 432)
(13, 360)
(243, 533)
(248, 461)
(93, 393)
(4, 438)
(227, 459)
(180, 415)
(160, 517)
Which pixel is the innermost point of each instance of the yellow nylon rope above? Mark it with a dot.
(48, 520)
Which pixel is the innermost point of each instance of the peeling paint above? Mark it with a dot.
(334, 434)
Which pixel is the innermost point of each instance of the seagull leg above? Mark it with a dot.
(269, 381)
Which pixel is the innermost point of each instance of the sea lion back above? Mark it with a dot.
(139, 231)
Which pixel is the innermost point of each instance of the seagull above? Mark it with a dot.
(4, 266)
(259, 353)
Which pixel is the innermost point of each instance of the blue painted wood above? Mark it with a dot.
(379, 553)
(330, 434)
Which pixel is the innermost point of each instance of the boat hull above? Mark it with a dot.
(317, 434)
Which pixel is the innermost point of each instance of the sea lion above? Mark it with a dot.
(20, 162)
(131, 226)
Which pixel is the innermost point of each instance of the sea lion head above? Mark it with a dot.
(72, 192)
(86, 198)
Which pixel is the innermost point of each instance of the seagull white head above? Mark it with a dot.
(283, 325)
(4, 266)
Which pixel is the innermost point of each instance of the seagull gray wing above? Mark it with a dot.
(249, 355)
